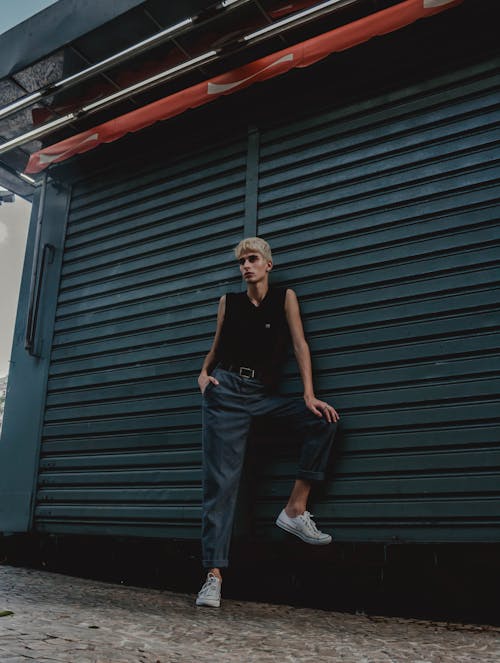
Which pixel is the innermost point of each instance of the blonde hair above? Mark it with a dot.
(254, 244)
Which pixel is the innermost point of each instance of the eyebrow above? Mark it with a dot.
(251, 255)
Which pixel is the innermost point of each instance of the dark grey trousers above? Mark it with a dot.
(227, 413)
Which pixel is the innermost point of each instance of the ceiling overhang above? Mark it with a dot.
(300, 55)
(238, 67)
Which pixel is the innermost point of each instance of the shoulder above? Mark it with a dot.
(231, 295)
(292, 306)
(280, 292)
(290, 296)
(221, 311)
(230, 300)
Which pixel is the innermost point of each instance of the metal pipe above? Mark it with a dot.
(27, 178)
(108, 101)
(209, 56)
(122, 56)
(37, 133)
(297, 19)
(281, 26)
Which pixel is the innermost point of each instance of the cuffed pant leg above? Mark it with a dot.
(316, 432)
(317, 442)
(225, 431)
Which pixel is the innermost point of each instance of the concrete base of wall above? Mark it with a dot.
(452, 582)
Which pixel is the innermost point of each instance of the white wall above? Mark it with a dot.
(14, 222)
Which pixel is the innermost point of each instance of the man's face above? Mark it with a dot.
(254, 267)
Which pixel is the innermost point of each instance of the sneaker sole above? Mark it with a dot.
(290, 530)
(212, 603)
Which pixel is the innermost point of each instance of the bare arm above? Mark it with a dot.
(204, 378)
(303, 356)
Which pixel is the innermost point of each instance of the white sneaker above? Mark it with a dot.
(304, 527)
(209, 594)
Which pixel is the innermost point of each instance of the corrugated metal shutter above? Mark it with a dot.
(384, 217)
(145, 260)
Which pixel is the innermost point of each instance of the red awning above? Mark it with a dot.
(300, 55)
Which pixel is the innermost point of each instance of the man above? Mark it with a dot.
(238, 381)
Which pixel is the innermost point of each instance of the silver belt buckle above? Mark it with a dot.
(246, 372)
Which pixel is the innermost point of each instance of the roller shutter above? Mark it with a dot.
(383, 215)
(145, 260)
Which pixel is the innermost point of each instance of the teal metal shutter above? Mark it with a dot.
(383, 215)
(146, 259)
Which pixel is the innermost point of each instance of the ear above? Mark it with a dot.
(269, 265)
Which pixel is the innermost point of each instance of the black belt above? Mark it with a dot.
(242, 371)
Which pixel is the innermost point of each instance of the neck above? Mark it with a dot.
(257, 291)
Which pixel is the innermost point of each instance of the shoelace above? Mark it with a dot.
(309, 523)
(210, 582)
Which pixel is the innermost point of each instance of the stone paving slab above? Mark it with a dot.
(64, 619)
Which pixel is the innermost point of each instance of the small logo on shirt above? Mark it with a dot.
(268, 325)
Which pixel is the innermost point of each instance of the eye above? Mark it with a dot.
(253, 258)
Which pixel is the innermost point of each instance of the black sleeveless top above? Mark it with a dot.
(255, 336)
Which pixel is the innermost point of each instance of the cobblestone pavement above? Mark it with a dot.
(74, 620)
